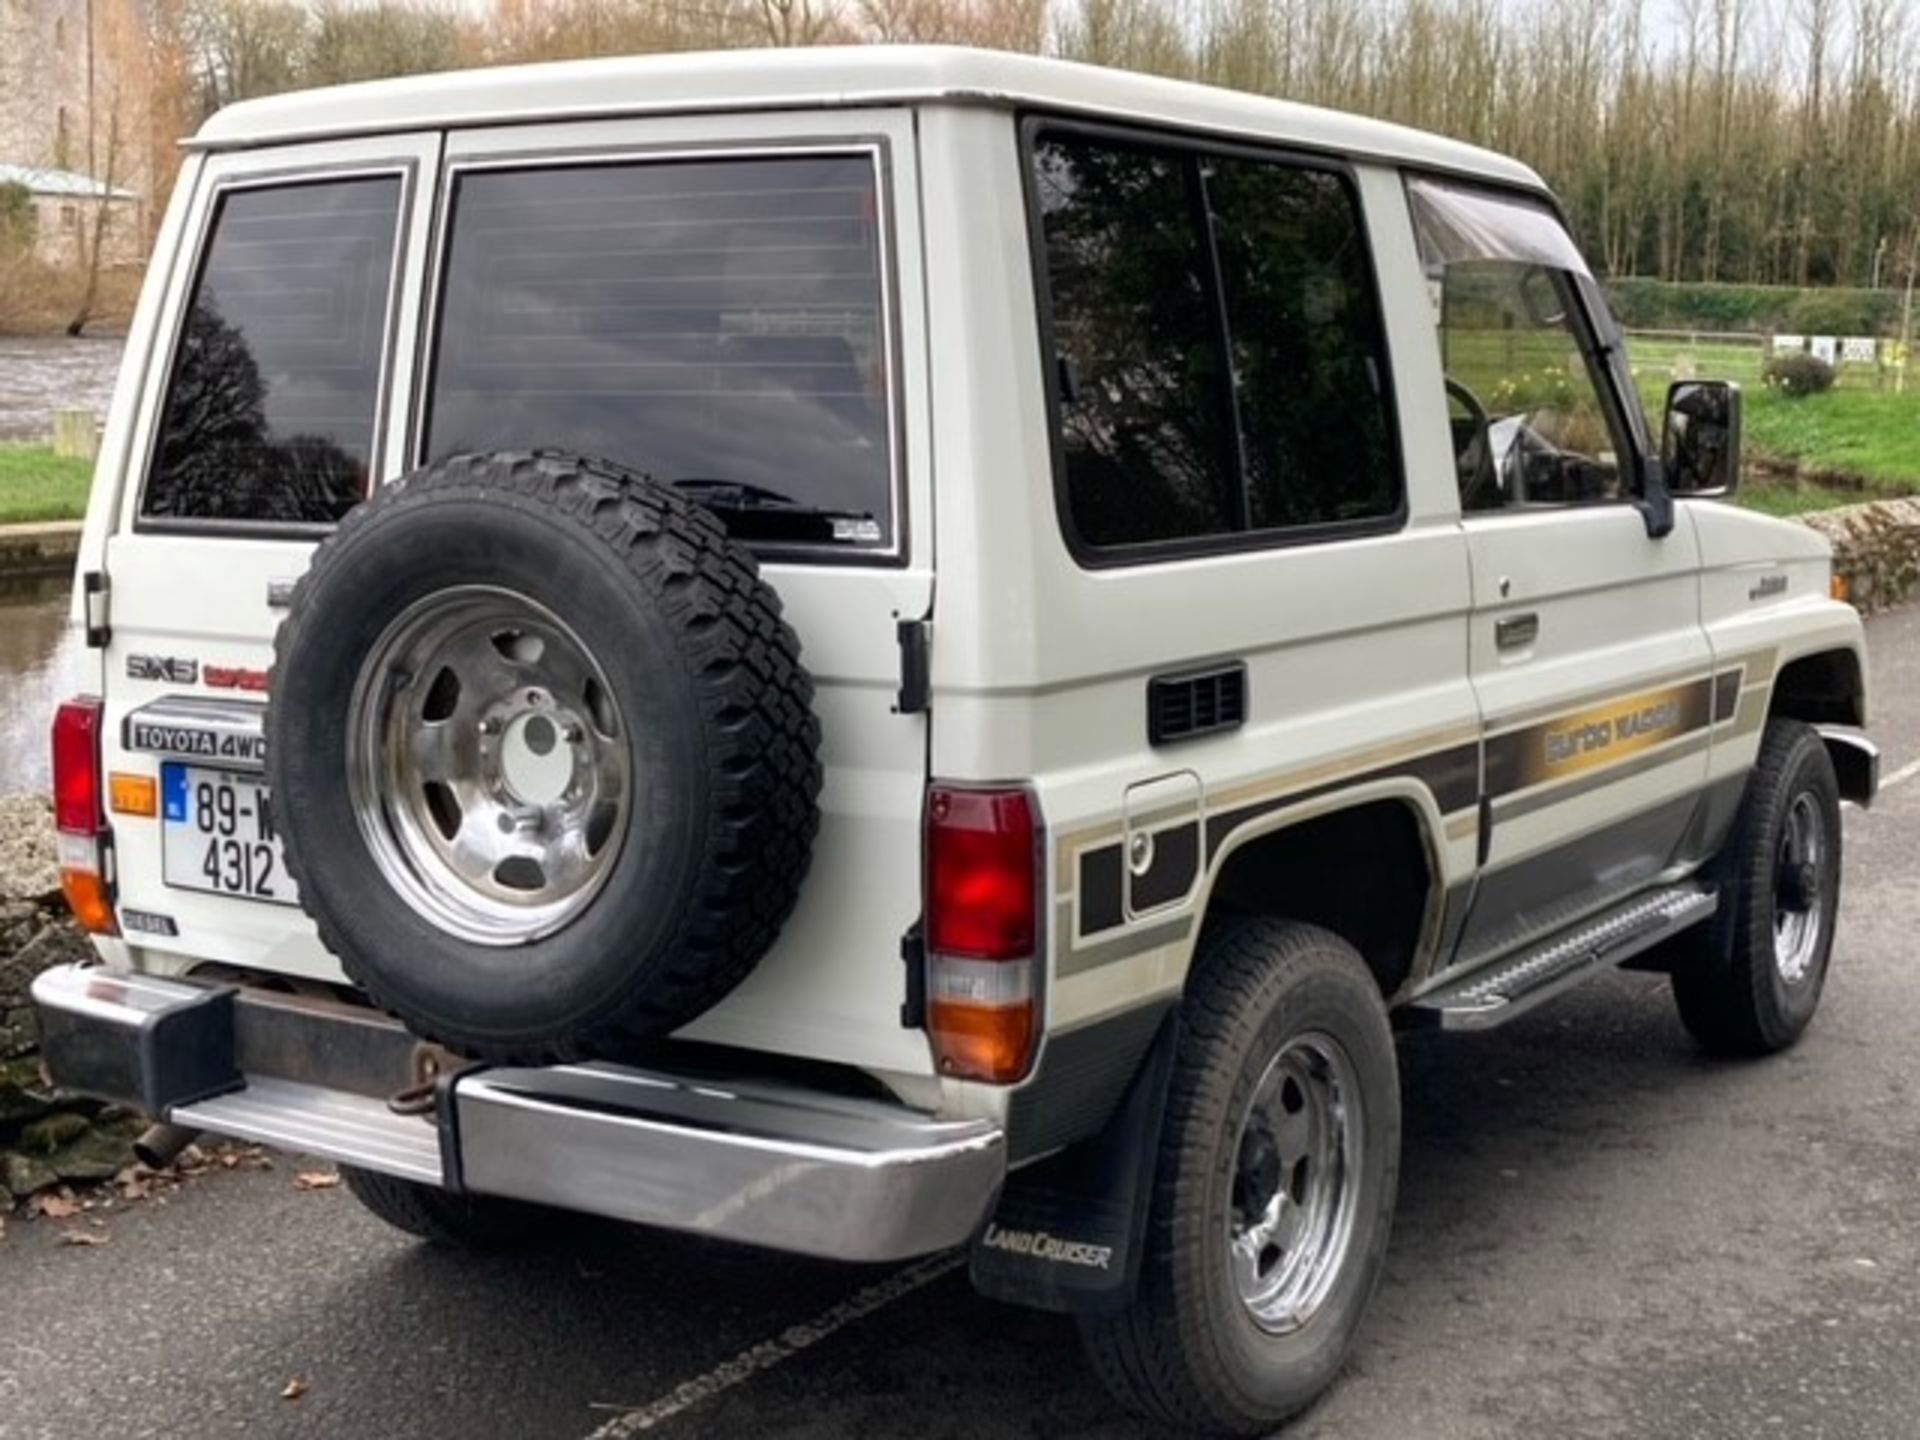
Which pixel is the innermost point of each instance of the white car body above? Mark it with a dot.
(1365, 657)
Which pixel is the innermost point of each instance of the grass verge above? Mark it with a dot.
(36, 484)
(1852, 443)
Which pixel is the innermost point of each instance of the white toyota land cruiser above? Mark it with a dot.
(870, 651)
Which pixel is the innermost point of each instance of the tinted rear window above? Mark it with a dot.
(274, 394)
(718, 323)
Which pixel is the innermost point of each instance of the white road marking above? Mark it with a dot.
(769, 1353)
(1900, 777)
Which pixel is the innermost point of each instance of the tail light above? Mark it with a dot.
(79, 816)
(982, 930)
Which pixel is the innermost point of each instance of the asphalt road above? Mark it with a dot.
(1600, 1234)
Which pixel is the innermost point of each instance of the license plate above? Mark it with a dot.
(217, 834)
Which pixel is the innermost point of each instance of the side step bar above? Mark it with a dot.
(1497, 993)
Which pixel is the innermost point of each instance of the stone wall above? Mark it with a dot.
(45, 548)
(45, 1139)
(1876, 548)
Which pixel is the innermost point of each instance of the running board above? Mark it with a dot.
(1496, 993)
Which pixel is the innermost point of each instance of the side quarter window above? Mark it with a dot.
(1218, 356)
(1533, 417)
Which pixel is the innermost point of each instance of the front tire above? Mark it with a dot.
(1274, 1187)
(1751, 980)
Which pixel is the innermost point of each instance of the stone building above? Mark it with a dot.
(75, 102)
(66, 209)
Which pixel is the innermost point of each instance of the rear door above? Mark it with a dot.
(733, 303)
(275, 399)
(728, 301)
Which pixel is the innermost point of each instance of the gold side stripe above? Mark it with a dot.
(1637, 723)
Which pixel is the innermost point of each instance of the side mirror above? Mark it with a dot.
(1700, 446)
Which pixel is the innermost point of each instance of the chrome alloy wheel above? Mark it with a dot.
(1798, 911)
(1296, 1183)
(487, 765)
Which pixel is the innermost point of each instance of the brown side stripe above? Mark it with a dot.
(1726, 695)
(1451, 775)
(1175, 866)
(1595, 737)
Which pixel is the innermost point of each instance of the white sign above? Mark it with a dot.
(1824, 348)
(1788, 344)
(1858, 349)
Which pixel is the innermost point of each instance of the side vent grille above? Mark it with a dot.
(1200, 702)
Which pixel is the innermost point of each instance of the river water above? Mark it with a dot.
(42, 662)
(42, 374)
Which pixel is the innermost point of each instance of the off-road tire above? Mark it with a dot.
(461, 1222)
(693, 644)
(1187, 1352)
(1729, 990)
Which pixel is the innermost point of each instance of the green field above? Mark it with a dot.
(36, 484)
(1854, 442)
(1857, 440)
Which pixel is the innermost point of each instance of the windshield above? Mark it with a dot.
(718, 324)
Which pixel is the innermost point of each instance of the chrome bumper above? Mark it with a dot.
(750, 1160)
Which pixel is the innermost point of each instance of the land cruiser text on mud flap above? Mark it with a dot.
(529, 737)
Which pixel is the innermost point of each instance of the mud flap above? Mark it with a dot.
(1068, 1231)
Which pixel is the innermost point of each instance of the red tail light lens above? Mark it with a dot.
(76, 768)
(981, 864)
(982, 931)
(78, 815)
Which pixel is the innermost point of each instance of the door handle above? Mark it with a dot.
(1516, 630)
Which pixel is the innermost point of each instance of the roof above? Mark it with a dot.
(812, 78)
(65, 183)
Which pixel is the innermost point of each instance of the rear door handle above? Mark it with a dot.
(1516, 630)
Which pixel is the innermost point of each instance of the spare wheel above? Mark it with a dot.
(544, 755)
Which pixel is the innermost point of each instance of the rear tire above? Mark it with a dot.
(1749, 981)
(440, 1217)
(1247, 1304)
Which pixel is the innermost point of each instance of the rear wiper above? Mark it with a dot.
(753, 512)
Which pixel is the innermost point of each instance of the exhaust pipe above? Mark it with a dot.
(160, 1145)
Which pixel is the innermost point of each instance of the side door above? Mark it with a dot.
(1584, 645)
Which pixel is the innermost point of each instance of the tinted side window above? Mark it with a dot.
(1221, 364)
(1142, 418)
(275, 389)
(719, 324)
(1309, 353)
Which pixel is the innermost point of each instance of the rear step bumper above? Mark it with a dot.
(755, 1161)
